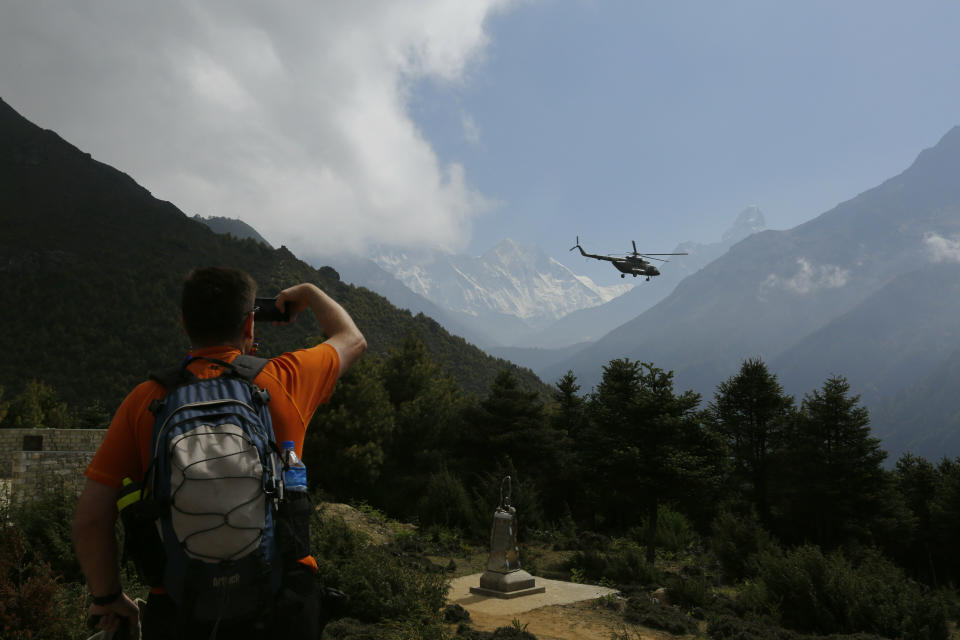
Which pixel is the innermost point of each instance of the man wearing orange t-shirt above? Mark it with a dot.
(217, 314)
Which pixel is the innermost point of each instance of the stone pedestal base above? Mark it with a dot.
(507, 585)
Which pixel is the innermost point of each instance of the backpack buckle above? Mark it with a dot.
(156, 405)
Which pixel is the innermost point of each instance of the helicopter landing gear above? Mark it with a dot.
(648, 278)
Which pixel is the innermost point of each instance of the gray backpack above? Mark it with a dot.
(216, 476)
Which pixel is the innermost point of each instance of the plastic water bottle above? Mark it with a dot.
(294, 471)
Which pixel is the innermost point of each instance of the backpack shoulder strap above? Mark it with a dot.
(248, 367)
(172, 377)
(243, 366)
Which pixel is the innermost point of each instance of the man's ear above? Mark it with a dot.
(248, 327)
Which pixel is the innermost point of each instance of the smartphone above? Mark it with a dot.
(267, 311)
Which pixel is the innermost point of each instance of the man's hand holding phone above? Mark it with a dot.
(267, 310)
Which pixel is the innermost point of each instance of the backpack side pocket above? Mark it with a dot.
(293, 527)
(141, 538)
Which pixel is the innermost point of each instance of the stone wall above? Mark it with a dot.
(13, 441)
(34, 470)
(52, 456)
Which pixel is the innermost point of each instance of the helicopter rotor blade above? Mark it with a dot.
(647, 255)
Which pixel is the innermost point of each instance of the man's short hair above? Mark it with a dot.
(215, 303)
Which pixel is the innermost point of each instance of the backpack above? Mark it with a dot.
(216, 476)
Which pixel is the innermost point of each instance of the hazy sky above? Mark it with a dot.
(334, 125)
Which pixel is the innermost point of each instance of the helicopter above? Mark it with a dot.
(632, 263)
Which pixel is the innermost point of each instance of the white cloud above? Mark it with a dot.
(809, 278)
(471, 131)
(292, 117)
(942, 249)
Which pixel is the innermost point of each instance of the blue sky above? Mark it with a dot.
(661, 121)
(332, 127)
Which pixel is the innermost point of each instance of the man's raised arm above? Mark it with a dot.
(343, 334)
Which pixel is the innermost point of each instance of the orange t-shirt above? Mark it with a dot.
(298, 382)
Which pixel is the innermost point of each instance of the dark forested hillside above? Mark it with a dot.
(91, 265)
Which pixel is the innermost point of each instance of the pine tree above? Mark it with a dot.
(649, 444)
(917, 480)
(428, 409)
(346, 443)
(37, 406)
(945, 520)
(751, 412)
(510, 422)
(565, 491)
(834, 469)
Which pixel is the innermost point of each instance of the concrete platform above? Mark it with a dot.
(557, 593)
(506, 595)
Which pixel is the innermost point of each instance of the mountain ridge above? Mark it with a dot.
(775, 288)
(96, 264)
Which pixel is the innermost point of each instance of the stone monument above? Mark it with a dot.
(503, 577)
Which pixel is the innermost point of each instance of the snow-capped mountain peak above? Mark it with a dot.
(510, 278)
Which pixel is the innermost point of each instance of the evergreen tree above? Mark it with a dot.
(568, 492)
(609, 436)
(945, 520)
(649, 444)
(37, 406)
(836, 482)
(510, 422)
(429, 410)
(345, 446)
(917, 481)
(93, 416)
(568, 415)
(408, 370)
(508, 433)
(751, 412)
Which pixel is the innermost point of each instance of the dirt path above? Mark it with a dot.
(578, 621)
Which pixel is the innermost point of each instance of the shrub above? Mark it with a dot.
(808, 591)
(502, 633)
(688, 591)
(726, 627)
(446, 541)
(445, 502)
(624, 562)
(34, 604)
(380, 585)
(46, 521)
(736, 542)
(628, 564)
(640, 610)
(674, 532)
